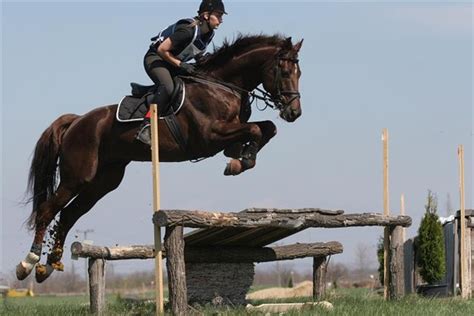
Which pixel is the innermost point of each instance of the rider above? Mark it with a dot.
(171, 50)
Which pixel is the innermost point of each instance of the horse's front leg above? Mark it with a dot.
(226, 134)
(268, 130)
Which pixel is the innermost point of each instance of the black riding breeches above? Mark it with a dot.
(162, 74)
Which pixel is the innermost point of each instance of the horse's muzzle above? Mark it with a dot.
(290, 113)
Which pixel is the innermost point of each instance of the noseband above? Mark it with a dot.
(277, 99)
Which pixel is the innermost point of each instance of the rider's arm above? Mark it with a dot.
(164, 50)
(177, 41)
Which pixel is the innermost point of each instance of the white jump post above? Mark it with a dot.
(156, 208)
(386, 212)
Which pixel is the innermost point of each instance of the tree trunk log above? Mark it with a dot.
(112, 253)
(97, 285)
(214, 254)
(289, 220)
(319, 277)
(174, 245)
(397, 275)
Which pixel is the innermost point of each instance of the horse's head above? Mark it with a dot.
(253, 60)
(281, 80)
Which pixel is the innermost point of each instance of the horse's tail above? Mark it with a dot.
(42, 178)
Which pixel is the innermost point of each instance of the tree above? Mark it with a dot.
(363, 258)
(430, 243)
(335, 272)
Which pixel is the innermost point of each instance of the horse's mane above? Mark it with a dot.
(241, 44)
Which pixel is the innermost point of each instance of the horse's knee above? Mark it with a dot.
(255, 131)
(269, 129)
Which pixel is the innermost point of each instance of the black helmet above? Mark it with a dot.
(211, 5)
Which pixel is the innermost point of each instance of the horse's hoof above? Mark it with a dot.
(233, 168)
(43, 272)
(58, 266)
(22, 272)
(24, 268)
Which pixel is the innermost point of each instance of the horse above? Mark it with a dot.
(90, 152)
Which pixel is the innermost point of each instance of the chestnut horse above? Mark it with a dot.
(91, 151)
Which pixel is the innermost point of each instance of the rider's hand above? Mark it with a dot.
(187, 68)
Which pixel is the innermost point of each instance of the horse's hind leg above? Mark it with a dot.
(106, 180)
(46, 213)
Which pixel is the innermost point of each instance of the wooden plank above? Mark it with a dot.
(237, 236)
(213, 253)
(174, 244)
(155, 153)
(265, 254)
(97, 286)
(200, 219)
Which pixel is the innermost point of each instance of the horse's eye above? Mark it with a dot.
(285, 74)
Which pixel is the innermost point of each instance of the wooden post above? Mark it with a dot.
(386, 212)
(397, 276)
(465, 293)
(409, 266)
(174, 245)
(155, 153)
(319, 277)
(97, 285)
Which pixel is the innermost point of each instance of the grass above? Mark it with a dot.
(345, 301)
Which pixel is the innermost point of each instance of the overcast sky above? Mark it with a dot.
(366, 66)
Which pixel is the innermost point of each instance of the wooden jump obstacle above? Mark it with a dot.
(218, 259)
(272, 224)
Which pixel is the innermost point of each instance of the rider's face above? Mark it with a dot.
(215, 19)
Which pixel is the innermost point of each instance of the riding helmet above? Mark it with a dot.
(211, 5)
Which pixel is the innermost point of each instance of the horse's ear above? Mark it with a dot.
(298, 45)
(288, 43)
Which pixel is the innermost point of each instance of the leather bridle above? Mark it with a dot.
(277, 99)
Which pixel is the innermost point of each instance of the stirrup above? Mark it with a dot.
(144, 135)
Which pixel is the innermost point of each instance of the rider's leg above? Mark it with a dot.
(161, 74)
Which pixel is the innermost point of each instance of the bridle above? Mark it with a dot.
(275, 101)
(278, 99)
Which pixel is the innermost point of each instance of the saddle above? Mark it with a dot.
(133, 107)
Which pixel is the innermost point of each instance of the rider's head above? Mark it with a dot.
(212, 12)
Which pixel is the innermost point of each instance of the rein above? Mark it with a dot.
(265, 97)
(274, 102)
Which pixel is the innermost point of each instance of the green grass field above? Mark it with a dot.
(346, 302)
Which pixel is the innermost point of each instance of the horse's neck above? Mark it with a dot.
(247, 69)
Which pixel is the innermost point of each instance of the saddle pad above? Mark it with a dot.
(133, 109)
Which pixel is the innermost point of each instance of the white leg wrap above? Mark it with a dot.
(30, 261)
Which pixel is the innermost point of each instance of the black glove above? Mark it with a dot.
(187, 68)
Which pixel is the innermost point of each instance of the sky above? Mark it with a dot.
(406, 66)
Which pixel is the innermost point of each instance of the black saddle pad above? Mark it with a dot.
(132, 108)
